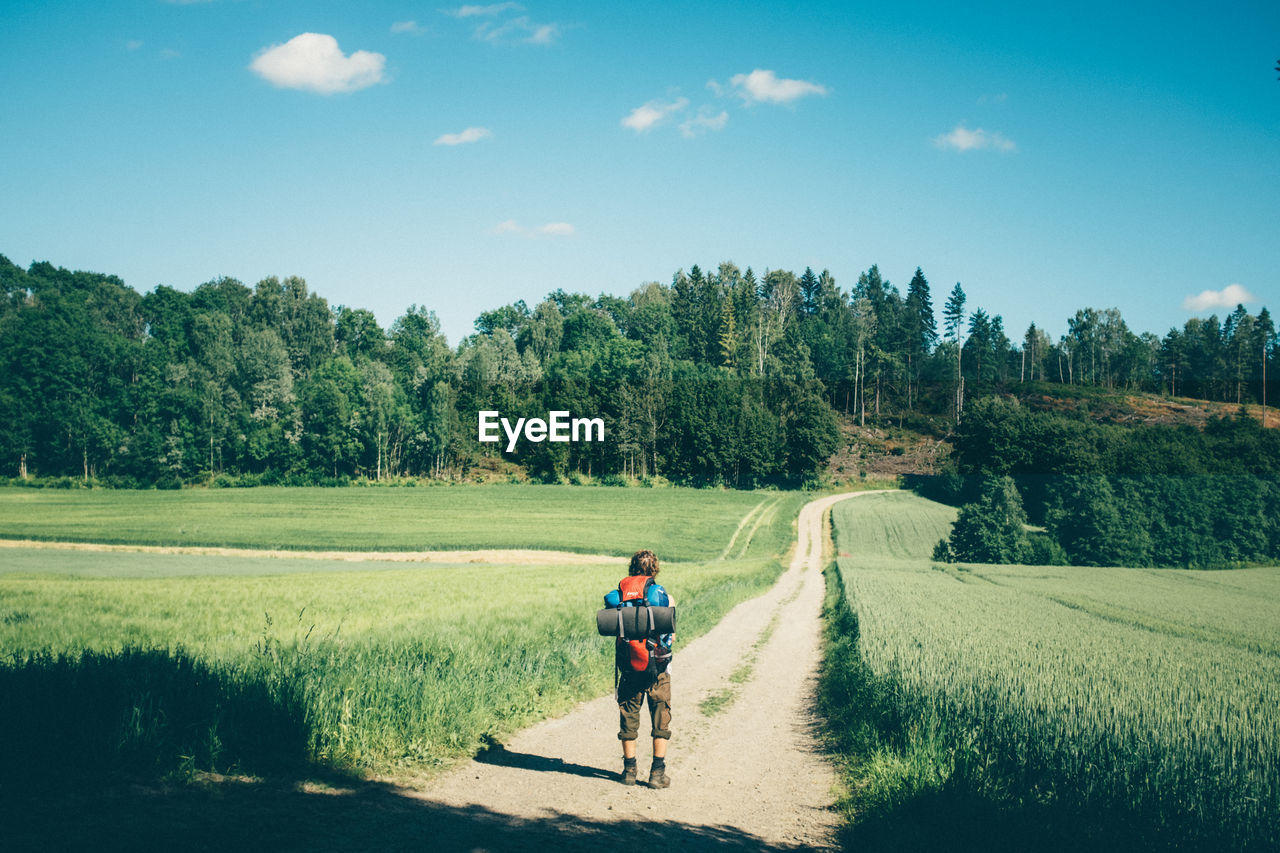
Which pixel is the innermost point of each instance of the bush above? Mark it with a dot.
(991, 529)
(1043, 550)
(947, 487)
(1092, 526)
(169, 481)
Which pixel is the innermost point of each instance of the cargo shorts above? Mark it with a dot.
(632, 692)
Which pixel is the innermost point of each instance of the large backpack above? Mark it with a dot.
(637, 614)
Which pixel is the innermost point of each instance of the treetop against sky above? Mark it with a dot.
(466, 156)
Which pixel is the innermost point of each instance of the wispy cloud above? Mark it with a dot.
(1229, 297)
(313, 62)
(963, 139)
(993, 99)
(483, 11)
(706, 120)
(550, 229)
(521, 28)
(471, 134)
(648, 116)
(765, 86)
(170, 53)
(133, 44)
(412, 28)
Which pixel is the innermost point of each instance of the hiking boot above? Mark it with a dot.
(658, 778)
(628, 776)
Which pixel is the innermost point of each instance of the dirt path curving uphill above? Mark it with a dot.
(743, 766)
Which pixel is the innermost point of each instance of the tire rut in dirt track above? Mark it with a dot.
(747, 775)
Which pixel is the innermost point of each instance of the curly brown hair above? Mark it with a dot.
(644, 563)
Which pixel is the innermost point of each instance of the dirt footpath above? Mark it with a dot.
(744, 769)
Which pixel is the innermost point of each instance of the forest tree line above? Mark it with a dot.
(1107, 494)
(718, 377)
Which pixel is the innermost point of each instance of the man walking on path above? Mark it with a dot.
(645, 673)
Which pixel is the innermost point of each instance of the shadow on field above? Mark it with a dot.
(960, 821)
(277, 815)
(141, 713)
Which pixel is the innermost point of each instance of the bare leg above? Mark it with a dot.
(659, 747)
(629, 748)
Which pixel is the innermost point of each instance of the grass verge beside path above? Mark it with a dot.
(397, 671)
(1045, 708)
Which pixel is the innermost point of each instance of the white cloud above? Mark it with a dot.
(963, 139)
(314, 62)
(170, 53)
(132, 44)
(408, 28)
(648, 116)
(471, 134)
(1229, 297)
(551, 229)
(993, 99)
(483, 11)
(764, 86)
(706, 121)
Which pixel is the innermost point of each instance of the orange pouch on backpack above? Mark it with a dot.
(638, 654)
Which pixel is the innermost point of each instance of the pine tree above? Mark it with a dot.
(728, 335)
(809, 292)
(953, 312)
(920, 327)
(953, 318)
(1267, 334)
(920, 306)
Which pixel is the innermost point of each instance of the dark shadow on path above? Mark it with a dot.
(285, 815)
(496, 754)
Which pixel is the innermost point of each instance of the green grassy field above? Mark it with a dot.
(161, 664)
(690, 524)
(1110, 707)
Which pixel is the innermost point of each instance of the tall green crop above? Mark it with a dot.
(1136, 706)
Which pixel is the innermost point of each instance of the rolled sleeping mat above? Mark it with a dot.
(635, 623)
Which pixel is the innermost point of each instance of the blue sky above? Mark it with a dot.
(462, 157)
